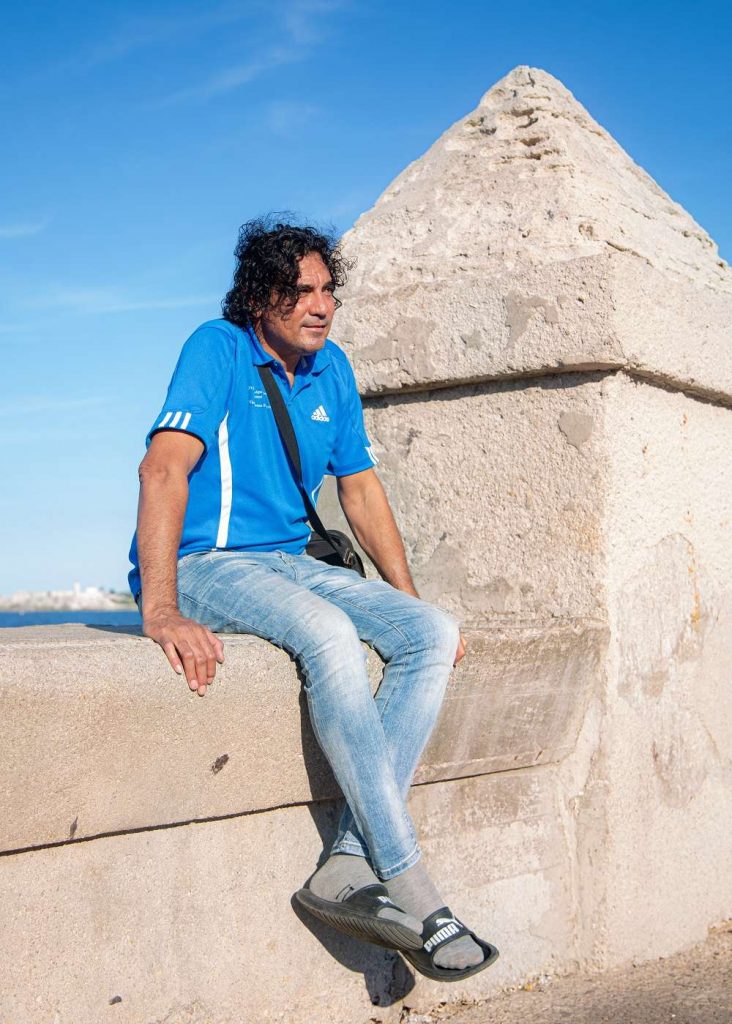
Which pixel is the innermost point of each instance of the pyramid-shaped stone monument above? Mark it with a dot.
(543, 339)
(526, 239)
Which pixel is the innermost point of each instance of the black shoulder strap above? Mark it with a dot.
(287, 434)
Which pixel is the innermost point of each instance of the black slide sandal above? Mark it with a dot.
(356, 916)
(439, 929)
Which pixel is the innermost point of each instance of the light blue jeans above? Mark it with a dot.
(320, 614)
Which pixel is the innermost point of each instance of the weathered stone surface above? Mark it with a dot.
(646, 489)
(195, 925)
(656, 865)
(502, 514)
(100, 736)
(527, 241)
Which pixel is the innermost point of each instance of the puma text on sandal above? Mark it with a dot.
(439, 929)
(357, 916)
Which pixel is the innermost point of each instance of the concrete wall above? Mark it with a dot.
(574, 801)
(663, 766)
(152, 840)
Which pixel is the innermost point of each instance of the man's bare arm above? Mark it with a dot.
(369, 515)
(189, 647)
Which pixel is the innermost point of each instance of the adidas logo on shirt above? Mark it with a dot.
(321, 415)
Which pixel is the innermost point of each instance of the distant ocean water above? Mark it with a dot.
(127, 618)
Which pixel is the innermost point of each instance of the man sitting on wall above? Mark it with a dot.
(220, 547)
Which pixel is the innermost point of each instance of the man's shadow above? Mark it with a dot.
(386, 975)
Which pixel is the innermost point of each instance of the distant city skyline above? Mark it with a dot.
(138, 139)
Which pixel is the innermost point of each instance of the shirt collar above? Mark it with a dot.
(313, 363)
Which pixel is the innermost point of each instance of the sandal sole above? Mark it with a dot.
(388, 934)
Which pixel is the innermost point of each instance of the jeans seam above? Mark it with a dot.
(381, 618)
(354, 847)
(390, 625)
(397, 868)
(229, 619)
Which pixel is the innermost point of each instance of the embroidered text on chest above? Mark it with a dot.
(321, 415)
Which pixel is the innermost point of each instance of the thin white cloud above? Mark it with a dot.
(234, 77)
(303, 19)
(288, 117)
(21, 230)
(134, 34)
(297, 24)
(111, 300)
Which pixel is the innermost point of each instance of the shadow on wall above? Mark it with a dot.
(386, 976)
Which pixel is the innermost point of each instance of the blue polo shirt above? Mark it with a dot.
(242, 492)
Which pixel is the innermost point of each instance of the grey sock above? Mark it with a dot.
(414, 891)
(344, 873)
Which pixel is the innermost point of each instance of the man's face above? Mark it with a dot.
(302, 327)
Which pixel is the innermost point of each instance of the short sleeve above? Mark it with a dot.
(353, 451)
(198, 394)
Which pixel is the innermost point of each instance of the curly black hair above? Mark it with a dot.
(268, 252)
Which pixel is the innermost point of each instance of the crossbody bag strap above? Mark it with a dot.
(289, 440)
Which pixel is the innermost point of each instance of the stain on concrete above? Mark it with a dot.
(500, 595)
(384, 347)
(74, 826)
(472, 340)
(219, 763)
(666, 610)
(576, 427)
(522, 309)
(408, 339)
(446, 571)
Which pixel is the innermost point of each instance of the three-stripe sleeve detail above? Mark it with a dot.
(173, 420)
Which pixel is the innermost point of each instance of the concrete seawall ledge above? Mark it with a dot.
(100, 736)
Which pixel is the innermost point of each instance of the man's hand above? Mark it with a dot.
(460, 653)
(188, 646)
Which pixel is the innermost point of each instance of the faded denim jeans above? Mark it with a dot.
(319, 614)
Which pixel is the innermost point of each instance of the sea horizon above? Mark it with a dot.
(87, 617)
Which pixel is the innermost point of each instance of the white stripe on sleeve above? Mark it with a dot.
(185, 421)
(174, 421)
(226, 484)
(165, 419)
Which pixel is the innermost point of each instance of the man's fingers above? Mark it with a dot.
(172, 655)
(189, 664)
(191, 649)
(217, 645)
(460, 653)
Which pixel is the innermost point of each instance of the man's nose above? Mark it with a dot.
(320, 304)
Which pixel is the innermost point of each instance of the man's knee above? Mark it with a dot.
(328, 633)
(446, 629)
(431, 628)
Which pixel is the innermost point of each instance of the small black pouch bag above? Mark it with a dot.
(330, 546)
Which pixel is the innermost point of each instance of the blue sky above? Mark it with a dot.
(137, 137)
